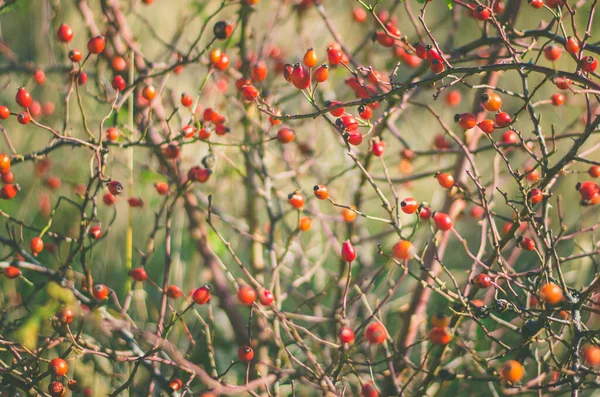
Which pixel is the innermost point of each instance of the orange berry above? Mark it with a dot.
(58, 366)
(349, 215)
(321, 192)
(591, 355)
(149, 92)
(512, 371)
(439, 336)
(403, 249)
(305, 223)
(247, 295)
(296, 199)
(551, 294)
(310, 58)
(491, 102)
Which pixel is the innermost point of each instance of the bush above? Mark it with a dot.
(194, 202)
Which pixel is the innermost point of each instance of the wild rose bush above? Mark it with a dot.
(299, 198)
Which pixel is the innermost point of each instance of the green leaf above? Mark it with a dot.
(449, 4)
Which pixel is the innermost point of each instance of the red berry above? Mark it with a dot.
(9, 191)
(589, 64)
(96, 45)
(594, 171)
(296, 199)
(453, 98)
(39, 76)
(199, 174)
(23, 118)
(536, 3)
(65, 33)
(503, 119)
(100, 292)
(510, 137)
(535, 196)
(369, 390)
(334, 55)
(36, 245)
(4, 112)
(588, 190)
(285, 135)
(425, 213)
(109, 199)
(335, 112)
(112, 134)
(23, 98)
(175, 383)
(409, 205)
(201, 295)
(346, 335)
(186, 100)
(445, 180)
(188, 131)
(359, 14)
(420, 50)
(466, 120)
(527, 244)
(486, 126)
(558, 99)
(355, 138)
(118, 64)
(365, 112)
(249, 92)
(432, 54)
(118, 83)
(442, 221)
(321, 192)
(245, 354)
(95, 232)
(300, 77)
(265, 297)
(162, 188)
(65, 315)
(82, 78)
(115, 187)
(439, 336)
(173, 292)
(75, 56)
(572, 45)
(377, 147)
(172, 150)
(437, 66)
(482, 281)
(7, 177)
(347, 122)
(247, 295)
(481, 13)
(12, 272)
(375, 333)
(552, 53)
(58, 367)
(348, 251)
(138, 274)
